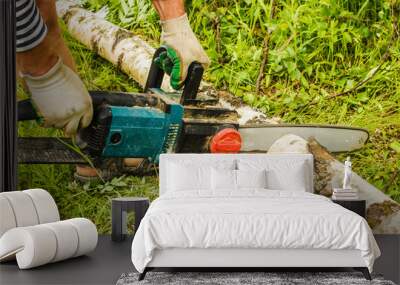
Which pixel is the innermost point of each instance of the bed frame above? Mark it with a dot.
(242, 259)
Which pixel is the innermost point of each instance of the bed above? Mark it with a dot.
(247, 210)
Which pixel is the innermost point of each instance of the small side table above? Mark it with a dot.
(119, 209)
(357, 206)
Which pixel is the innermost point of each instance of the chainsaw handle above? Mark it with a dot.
(156, 73)
(191, 84)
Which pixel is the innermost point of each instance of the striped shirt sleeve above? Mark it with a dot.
(31, 30)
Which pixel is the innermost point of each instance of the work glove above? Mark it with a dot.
(60, 98)
(183, 48)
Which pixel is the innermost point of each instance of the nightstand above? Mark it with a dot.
(119, 209)
(357, 206)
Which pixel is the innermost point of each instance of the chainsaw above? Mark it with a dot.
(138, 125)
(144, 125)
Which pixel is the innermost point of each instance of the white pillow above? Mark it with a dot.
(251, 178)
(188, 177)
(281, 174)
(291, 179)
(223, 179)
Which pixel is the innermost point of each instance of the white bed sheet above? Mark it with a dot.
(253, 218)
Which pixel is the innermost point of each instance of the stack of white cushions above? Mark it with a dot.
(31, 230)
(231, 175)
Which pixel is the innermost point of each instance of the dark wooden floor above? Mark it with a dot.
(389, 262)
(110, 260)
(103, 266)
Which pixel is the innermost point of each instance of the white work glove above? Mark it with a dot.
(61, 99)
(183, 49)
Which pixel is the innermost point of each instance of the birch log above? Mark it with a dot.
(383, 214)
(133, 55)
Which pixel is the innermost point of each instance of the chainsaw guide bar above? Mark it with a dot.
(44, 150)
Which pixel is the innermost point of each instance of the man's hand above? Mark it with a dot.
(61, 98)
(183, 48)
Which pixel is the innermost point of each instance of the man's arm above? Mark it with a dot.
(169, 9)
(177, 35)
(44, 62)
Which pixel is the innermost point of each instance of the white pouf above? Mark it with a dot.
(7, 220)
(31, 233)
(45, 205)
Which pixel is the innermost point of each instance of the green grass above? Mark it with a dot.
(317, 49)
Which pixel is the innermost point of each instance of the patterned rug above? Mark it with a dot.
(243, 278)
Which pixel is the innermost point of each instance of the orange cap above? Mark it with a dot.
(226, 141)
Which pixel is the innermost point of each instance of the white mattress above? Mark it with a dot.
(253, 219)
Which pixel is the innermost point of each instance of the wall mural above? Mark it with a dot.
(86, 30)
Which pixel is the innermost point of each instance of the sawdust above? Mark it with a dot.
(247, 114)
(231, 99)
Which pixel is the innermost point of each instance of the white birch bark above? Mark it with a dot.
(133, 55)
